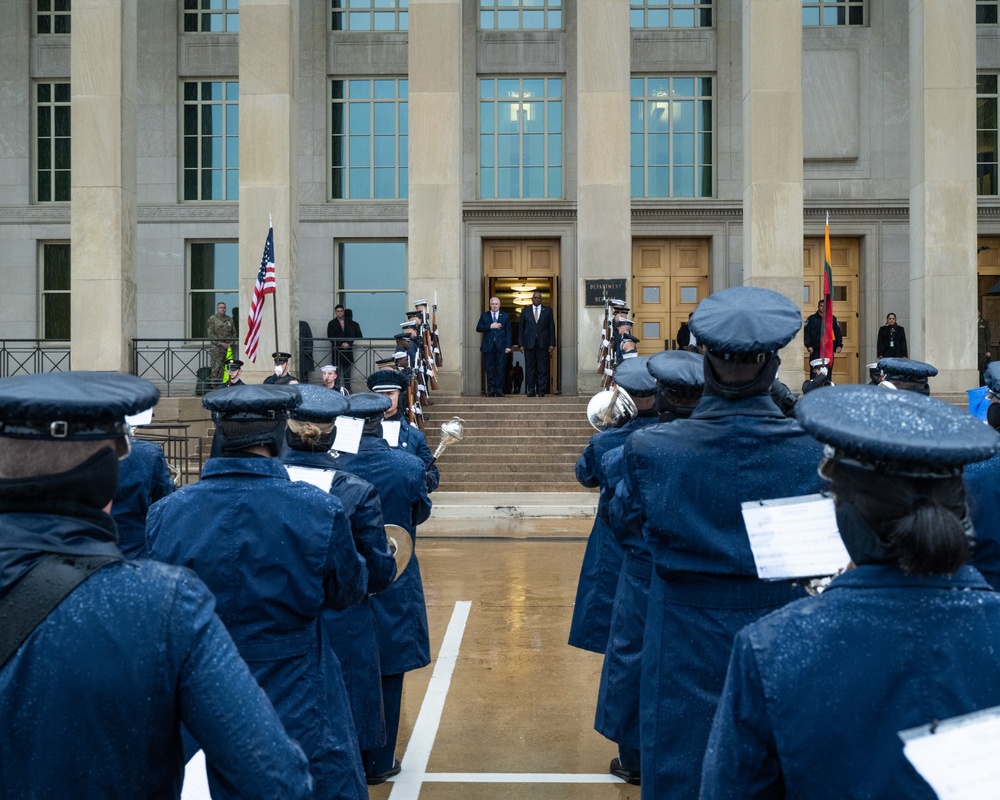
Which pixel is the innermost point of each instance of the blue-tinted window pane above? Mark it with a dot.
(372, 265)
(657, 18)
(385, 118)
(404, 151)
(636, 179)
(359, 117)
(385, 151)
(507, 20)
(555, 182)
(683, 148)
(635, 149)
(534, 182)
(486, 118)
(507, 183)
(507, 117)
(533, 20)
(658, 182)
(507, 150)
(359, 90)
(360, 152)
(360, 188)
(385, 183)
(683, 181)
(534, 151)
(487, 185)
(555, 117)
(555, 150)
(486, 151)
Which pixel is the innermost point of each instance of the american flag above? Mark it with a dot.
(264, 286)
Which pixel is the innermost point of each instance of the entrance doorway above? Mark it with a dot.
(988, 294)
(845, 256)
(513, 269)
(669, 279)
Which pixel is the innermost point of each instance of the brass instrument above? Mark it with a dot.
(451, 431)
(611, 408)
(400, 545)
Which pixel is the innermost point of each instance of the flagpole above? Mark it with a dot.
(274, 302)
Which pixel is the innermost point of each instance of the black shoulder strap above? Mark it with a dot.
(38, 593)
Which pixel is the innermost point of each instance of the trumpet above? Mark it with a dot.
(612, 408)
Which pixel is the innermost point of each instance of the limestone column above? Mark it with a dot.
(604, 206)
(772, 146)
(103, 184)
(269, 146)
(943, 285)
(434, 249)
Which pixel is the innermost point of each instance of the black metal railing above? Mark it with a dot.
(31, 356)
(315, 353)
(176, 444)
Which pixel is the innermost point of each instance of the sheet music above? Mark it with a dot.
(959, 759)
(320, 478)
(348, 434)
(794, 537)
(390, 432)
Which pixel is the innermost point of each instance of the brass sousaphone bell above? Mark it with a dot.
(400, 545)
(612, 408)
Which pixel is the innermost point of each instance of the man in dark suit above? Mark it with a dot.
(494, 325)
(342, 330)
(537, 336)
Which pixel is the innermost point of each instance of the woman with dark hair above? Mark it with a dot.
(818, 691)
(891, 341)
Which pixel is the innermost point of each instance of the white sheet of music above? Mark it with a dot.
(390, 432)
(348, 434)
(320, 478)
(959, 759)
(794, 537)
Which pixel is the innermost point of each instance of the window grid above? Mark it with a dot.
(671, 137)
(369, 153)
(211, 16)
(520, 15)
(370, 15)
(670, 14)
(52, 16)
(54, 266)
(986, 12)
(986, 135)
(211, 140)
(372, 283)
(52, 145)
(520, 138)
(213, 278)
(833, 12)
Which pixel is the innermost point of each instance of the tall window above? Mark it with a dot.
(53, 141)
(370, 15)
(986, 12)
(520, 138)
(55, 274)
(833, 12)
(52, 16)
(369, 121)
(670, 13)
(671, 137)
(211, 16)
(986, 134)
(520, 14)
(214, 273)
(373, 285)
(211, 140)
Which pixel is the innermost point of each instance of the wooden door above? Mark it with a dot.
(845, 258)
(669, 279)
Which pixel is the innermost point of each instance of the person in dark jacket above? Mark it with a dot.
(392, 383)
(275, 553)
(679, 376)
(891, 342)
(537, 338)
(400, 612)
(342, 331)
(349, 632)
(685, 483)
(813, 332)
(818, 692)
(143, 478)
(494, 325)
(93, 699)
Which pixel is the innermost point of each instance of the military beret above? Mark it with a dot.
(634, 378)
(897, 432)
(680, 370)
(368, 405)
(253, 402)
(906, 369)
(387, 380)
(992, 377)
(319, 404)
(234, 363)
(745, 321)
(279, 356)
(72, 405)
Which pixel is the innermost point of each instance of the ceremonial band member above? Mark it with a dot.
(686, 482)
(93, 696)
(906, 374)
(819, 691)
(143, 478)
(392, 383)
(275, 553)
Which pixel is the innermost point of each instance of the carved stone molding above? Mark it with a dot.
(40, 213)
(339, 211)
(229, 212)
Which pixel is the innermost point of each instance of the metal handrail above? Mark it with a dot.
(32, 356)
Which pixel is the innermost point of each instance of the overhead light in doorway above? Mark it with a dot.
(522, 287)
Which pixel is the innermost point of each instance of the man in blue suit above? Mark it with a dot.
(537, 336)
(495, 327)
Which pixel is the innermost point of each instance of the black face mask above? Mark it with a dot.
(761, 384)
(93, 483)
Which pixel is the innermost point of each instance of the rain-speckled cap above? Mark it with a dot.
(679, 370)
(634, 378)
(387, 380)
(65, 406)
(253, 401)
(745, 320)
(367, 405)
(319, 404)
(992, 377)
(906, 369)
(628, 337)
(898, 432)
(619, 322)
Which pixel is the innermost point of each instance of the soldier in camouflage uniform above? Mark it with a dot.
(222, 332)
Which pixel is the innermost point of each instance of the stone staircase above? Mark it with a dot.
(512, 444)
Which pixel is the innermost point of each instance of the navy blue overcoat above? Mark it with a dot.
(982, 487)
(143, 478)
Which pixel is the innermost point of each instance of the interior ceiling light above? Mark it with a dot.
(522, 287)
(519, 301)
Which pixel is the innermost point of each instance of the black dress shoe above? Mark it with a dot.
(531, 394)
(541, 394)
(627, 775)
(500, 394)
(375, 780)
